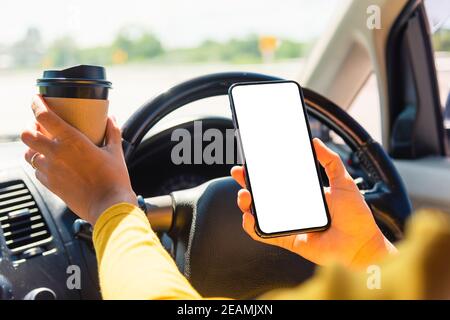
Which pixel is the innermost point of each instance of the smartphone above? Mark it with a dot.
(281, 169)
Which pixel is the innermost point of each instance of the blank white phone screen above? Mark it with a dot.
(280, 164)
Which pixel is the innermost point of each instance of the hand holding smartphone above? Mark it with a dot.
(272, 130)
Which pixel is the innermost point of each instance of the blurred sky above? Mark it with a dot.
(438, 13)
(176, 22)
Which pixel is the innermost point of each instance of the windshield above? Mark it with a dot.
(148, 46)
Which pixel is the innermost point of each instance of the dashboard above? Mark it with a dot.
(36, 246)
(45, 251)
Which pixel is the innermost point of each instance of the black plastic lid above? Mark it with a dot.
(83, 81)
(82, 74)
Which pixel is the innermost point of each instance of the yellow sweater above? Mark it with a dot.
(134, 265)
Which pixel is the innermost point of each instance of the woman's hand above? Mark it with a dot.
(353, 238)
(89, 179)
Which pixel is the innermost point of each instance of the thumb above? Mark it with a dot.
(113, 135)
(334, 168)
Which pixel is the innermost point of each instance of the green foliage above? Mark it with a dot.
(137, 45)
(290, 49)
(96, 55)
(145, 46)
(233, 51)
(241, 50)
(441, 40)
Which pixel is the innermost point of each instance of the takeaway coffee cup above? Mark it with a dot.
(79, 95)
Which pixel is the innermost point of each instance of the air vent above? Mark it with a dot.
(23, 225)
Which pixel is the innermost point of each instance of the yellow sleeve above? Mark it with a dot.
(134, 265)
(132, 262)
(420, 270)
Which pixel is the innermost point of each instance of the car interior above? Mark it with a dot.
(193, 207)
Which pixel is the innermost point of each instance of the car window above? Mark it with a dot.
(365, 108)
(148, 46)
(439, 19)
(441, 40)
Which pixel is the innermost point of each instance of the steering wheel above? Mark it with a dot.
(204, 223)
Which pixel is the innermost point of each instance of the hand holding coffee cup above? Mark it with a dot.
(79, 95)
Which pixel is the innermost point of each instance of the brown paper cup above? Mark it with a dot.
(87, 115)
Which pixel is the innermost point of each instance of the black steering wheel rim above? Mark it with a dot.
(388, 198)
(189, 91)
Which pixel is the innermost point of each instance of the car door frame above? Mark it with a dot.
(419, 144)
(416, 123)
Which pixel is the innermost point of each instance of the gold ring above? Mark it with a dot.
(32, 160)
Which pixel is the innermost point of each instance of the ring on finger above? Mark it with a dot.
(33, 158)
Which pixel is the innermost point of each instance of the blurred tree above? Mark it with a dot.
(63, 52)
(441, 40)
(242, 50)
(289, 49)
(101, 55)
(137, 44)
(28, 52)
(123, 41)
(147, 46)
